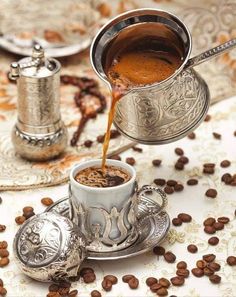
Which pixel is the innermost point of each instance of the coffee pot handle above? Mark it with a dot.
(211, 53)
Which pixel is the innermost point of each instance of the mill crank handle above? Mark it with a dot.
(211, 53)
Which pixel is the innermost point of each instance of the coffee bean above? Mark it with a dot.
(225, 163)
(208, 272)
(114, 133)
(177, 281)
(4, 261)
(53, 294)
(209, 165)
(192, 182)
(1, 283)
(111, 278)
(127, 277)
(179, 166)
(227, 178)
(4, 253)
(88, 143)
(168, 190)
(234, 133)
(28, 215)
(209, 258)
(0, 200)
(3, 244)
(207, 118)
(27, 209)
(115, 157)
(2, 228)
(169, 257)
(20, 220)
(183, 160)
(164, 282)
(159, 181)
(179, 151)
(223, 220)
(181, 265)
(133, 283)
(201, 264)
(65, 284)
(182, 272)
(184, 217)
(137, 149)
(215, 279)
(156, 162)
(159, 250)
(218, 226)
(96, 293)
(89, 278)
(178, 188)
(100, 138)
(212, 193)
(106, 285)
(171, 182)
(155, 287)
(3, 291)
(131, 161)
(213, 240)
(192, 248)
(176, 222)
(216, 135)
(214, 266)
(47, 201)
(197, 272)
(162, 292)
(192, 135)
(86, 270)
(231, 260)
(208, 170)
(151, 281)
(209, 222)
(73, 293)
(64, 291)
(53, 288)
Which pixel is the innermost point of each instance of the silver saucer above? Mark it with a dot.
(152, 230)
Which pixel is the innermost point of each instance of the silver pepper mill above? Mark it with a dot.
(39, 133)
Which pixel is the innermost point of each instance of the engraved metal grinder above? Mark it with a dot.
(39, 133)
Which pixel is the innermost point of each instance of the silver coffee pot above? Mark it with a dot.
(166, 111)
(39, 133)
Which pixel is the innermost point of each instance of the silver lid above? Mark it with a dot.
(49, 247)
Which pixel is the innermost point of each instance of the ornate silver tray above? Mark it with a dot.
(152, 230)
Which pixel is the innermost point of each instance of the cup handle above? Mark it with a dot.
(148, 206)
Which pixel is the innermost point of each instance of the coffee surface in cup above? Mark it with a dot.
(111, 176)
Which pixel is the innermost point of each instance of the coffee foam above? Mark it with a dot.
(95, 177)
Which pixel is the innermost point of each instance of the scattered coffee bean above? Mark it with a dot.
(213, 240)
(131, 161)
(127, 277)
(89, 278)
(169, 257)
(214, 266)
(183, 160)
(181, 265)
(234, 133)
(178, 188)
(179, 166)
(2, 228)
(4, 253)
(208, 170)
(209, 258)
(53, 294)
(4, 261)
(192, 248)
(177, 281)
(64, 291)
(225, 163)
(218, 226)
(156, 163)
(216, 135)
(137, 149)
(162, 292)
(133, 283)
(86, 270)
(176, 222)
(53, 288)
(231, 260)
(224, 220)
(182, 272)
(197, 272)
(3, 244)
(179, 151)
(72, 293)
(0, 200)
(20, 220)
(164, 282)
(209, 165)
(115, 157)
(208, 272)
(184, 217)
(151, 281)
(100, 138)
(114, 133)
(1, 283)
(27, 209)
(159, 181)
(215, 279)
(111, 278)
(201, 264)
(3, 291)
(88, 143)
(168, 190)
(159, 250)
(209, 229)
(192, 182)
(106, 285)
(207, 118)
(28, 215)
(47, 201)
(155, 287)
(171, 183)
(96, 293)
(209, 222)
(192, 135)
(227, 178)
(212, 193)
